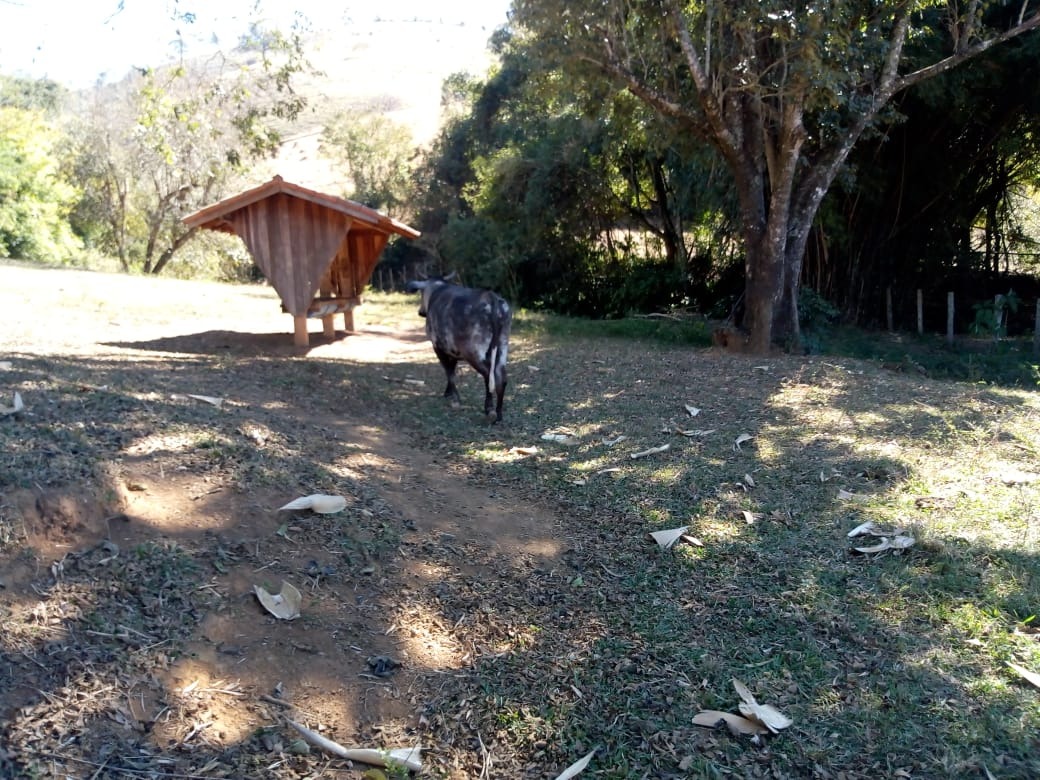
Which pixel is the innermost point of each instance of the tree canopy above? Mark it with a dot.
(783, 93)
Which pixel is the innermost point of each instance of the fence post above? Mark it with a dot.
(888, 308)
(920, 312)
(1036, 328)
(949, 318)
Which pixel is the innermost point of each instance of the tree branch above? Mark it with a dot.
(966, 53)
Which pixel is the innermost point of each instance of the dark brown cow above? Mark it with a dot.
(471, 325)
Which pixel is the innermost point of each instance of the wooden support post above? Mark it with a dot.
(949, 318)
(1036, 328)
(920, 313)
(328, 327)
(300, 337)
(348, 320)
(888, 308)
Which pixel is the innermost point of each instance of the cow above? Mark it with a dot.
(471, 325)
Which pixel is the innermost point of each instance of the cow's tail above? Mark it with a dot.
(497, 353)
(493, 366)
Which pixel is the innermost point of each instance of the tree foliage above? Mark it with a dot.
(166, 142)
(568, 198)
(940, 194)
(35, 197)
(377, 156)
(782, 91)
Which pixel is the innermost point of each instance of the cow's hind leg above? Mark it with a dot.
(450, 364)
(500, 393)
(487, 399)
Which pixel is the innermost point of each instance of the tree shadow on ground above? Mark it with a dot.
(159, 622)
(886, 662)
(540, 620)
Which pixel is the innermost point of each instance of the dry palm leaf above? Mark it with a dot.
(869, 527)
(768, 716)
(561, 438)
(284, 605)
(409, 758)
(322, 504)
(1028, 676)
(744, 437)
(651, 451)
(898, 542)
(751, 517)
(209, 399)
(523, 451)
(735, 723)
(669, 537)
(692, 432)
(576, 768)
(18, 406)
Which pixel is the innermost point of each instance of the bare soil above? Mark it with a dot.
(368, 575)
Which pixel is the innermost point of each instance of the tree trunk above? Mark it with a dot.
(763, 272)
(171, 250)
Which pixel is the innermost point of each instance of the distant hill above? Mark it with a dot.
(396, 67)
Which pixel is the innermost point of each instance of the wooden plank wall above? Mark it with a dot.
(293, 241)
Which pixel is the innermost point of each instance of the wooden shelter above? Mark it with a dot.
(307, 242)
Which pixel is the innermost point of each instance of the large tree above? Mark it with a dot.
(782, 90)
(165, 142)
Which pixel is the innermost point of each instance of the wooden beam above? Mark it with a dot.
(300, 337)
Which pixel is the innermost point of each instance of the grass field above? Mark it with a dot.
(551, 624)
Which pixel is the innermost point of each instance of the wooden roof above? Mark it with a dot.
(213, 216)
(295, 234)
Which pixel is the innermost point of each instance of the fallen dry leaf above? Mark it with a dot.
(561, 438)
(322, 504)
(869, 527)
(744, 437)
(209, 399)
(693, 410)
(692, 432)
(669, 537)
(405, 381)
(1028, 676)
(576, 768)
(651, 451)
(899, 542)
(18, 406)
(1011, 475)
(284, 605)
(768, 716)
(736, 724)
(523, 450)
(409, 758)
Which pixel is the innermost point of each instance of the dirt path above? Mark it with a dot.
(373, 577)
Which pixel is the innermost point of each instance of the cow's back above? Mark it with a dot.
(466, 322)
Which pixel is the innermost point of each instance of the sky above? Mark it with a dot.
(76, 42)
